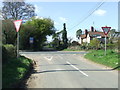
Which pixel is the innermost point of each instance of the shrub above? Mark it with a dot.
(84, 46)
(77, 47)
(75, 43)
(95, 44)
(11, 50)
(110, 46)
(4, 54)
(8, 51)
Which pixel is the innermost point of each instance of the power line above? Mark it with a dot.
(89, 14)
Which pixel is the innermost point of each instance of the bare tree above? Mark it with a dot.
(17, 10)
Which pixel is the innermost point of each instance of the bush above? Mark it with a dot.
(8, 51)
(111, 46)
(74, 48)
(4, 54)
(84, 46)
(75, 43)
(11, 50)
(94, 44)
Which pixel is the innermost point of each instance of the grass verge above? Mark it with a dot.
(110, 60)
(71, 50)
(14, 71)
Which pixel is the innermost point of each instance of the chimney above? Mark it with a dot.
(86, 32)
(92, 29)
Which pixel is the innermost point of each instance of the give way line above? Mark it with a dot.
(77, 68)
(49, 58)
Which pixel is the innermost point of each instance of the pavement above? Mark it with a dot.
(59, 69)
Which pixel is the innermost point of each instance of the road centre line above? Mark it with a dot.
(77, 68)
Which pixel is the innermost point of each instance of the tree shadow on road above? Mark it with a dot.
(48, 71)
(56, 64)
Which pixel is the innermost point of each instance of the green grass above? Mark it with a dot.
(72, 50)
(110, 60)
(14, 70)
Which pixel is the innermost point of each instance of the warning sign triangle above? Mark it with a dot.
(17, 24)
(106, 30)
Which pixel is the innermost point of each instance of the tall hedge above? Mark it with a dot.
(8, 51)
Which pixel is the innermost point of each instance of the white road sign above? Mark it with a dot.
(106, 30)
(17, 24)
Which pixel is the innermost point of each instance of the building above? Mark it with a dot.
(90, 35)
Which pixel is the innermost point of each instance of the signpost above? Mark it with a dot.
(17, 24)
(31, 40)
(106, 31)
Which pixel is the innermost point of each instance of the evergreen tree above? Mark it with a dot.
(64, 36)
(78, 33)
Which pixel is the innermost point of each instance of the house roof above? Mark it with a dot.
(83, 36)
(97, 33)
(93, 34)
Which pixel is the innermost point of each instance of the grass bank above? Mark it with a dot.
(110, 60)
(14, 71)
(70, 50)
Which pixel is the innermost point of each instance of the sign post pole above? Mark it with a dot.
(105, 45)
(17, 44)
(106, 30)
(17, 24)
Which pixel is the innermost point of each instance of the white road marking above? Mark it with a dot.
(59, 69)
(77, 68)
(49, 58)
(74, 54)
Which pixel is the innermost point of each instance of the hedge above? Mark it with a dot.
(8, 51)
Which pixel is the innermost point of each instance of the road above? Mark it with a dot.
(68, 70)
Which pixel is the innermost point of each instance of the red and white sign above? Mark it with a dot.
(106, 30)
(17, 24)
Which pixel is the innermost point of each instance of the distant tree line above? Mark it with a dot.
(36, 28)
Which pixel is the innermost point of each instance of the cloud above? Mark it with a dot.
(56, 23)
(38, 17)
(100, 12)
(37, 9)
(63, 20)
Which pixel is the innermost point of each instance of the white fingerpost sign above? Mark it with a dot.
(17, 24)
(106, 31)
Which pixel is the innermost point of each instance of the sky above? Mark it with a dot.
(72, 13)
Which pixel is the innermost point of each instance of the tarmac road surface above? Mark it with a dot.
(59, 69)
